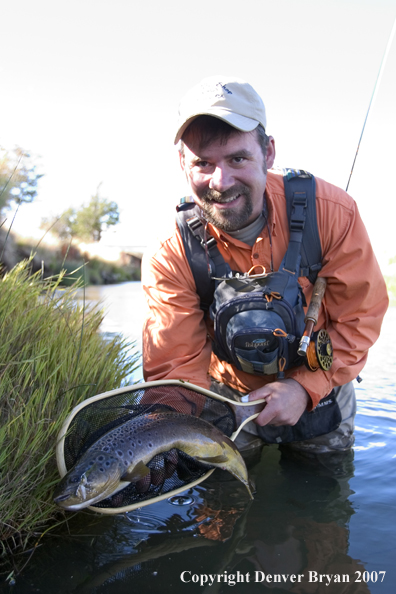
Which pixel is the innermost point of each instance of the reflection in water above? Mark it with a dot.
(307, 530)
(298, 522)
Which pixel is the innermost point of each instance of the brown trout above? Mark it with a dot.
(120, 457)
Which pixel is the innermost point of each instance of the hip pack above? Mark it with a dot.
(258, 321)
(258, 318)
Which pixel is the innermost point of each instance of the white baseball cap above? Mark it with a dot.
(230, 99)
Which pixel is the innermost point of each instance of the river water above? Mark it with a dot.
(321, 527)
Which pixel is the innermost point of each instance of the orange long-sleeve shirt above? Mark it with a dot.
(176, 338)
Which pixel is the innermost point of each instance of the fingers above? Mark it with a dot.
(262, 393)
(286, 401)
(272, 414)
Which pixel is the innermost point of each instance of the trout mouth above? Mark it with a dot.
(86, 489)
(60, 498)
(78, 500)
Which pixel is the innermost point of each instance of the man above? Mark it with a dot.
(226, 157)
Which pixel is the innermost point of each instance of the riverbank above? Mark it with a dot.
(51, 358)
(78, 261)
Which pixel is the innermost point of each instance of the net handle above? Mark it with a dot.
(247, 420)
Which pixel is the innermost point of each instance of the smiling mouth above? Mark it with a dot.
(224, 200)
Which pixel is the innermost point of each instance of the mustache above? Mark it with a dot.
(215, 196)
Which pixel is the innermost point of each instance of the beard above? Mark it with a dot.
(227, 219)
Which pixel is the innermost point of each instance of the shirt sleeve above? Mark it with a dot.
(355, 299)
(175, 340)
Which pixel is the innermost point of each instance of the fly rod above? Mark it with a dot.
(374, 94)
(320, 352)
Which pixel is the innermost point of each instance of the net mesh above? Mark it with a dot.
(170, 470)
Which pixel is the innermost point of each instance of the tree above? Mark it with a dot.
(60, 225)
(86, 223)
(18, 177)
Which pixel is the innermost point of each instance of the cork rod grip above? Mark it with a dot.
(316, 300)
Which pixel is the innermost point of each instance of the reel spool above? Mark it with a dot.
(320, 351)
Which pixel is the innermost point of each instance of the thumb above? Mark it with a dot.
(260, 394)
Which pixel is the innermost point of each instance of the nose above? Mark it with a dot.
(221, 179)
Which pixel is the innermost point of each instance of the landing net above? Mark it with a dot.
(172, 471)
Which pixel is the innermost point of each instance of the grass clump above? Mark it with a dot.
(51, 358)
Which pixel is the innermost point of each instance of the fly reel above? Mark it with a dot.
(316, 347)
(320, 351)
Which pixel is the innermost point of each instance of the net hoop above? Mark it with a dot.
(60, 451)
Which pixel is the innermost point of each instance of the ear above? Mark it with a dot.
(181, 160)
(271, 152)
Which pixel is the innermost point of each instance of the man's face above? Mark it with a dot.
(227, 180)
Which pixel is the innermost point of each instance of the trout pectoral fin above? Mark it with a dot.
(137, 473)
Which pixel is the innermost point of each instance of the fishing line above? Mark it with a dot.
(374, 94)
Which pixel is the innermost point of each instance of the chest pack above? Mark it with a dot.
(258, 318)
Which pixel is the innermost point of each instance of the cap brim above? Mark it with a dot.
(235, 120)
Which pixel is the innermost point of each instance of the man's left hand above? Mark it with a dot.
(286, 402)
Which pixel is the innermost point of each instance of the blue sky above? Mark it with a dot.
(92, 88)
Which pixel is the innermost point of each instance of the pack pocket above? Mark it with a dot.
(258, 348)
(257, 362)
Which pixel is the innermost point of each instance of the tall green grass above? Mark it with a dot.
(51, 358)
